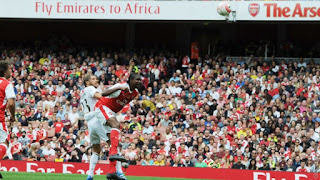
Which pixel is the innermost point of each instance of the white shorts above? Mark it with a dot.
(97, 131)
(104, 114)
(3, 132)
(97, 127)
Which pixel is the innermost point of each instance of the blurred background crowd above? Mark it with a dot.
(210, 111)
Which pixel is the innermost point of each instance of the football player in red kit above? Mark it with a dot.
(119, 96)
(7, 96)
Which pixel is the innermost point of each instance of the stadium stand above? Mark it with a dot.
(211, 112)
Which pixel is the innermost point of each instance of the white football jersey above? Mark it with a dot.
(87, 99)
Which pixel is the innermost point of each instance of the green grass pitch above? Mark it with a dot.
(56, 176)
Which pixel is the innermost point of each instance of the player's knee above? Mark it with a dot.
(114, 123)
(96, 152)
(96, 148)
(117, 125)
(6, 143)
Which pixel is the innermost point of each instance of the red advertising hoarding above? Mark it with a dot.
(153, 171)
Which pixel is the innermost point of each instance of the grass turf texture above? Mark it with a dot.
(55, 176)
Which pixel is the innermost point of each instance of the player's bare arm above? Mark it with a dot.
(114, 88)
(109, 91)
(12, 109)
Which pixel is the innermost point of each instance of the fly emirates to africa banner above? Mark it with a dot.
(161, 10)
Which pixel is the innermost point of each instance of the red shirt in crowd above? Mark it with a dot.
(303, 170)
(40, 134)
(58, 127)
(236, 158)
(16, 148)
(162, 151)
(232, 129)
(30, 135)
(273, 92)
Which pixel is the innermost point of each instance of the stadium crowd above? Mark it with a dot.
(206, 112)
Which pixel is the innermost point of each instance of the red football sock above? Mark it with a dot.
(114, 136)
(112, 167)
(3, 150)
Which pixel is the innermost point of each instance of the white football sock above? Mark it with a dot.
(93, 162)
(119, 167)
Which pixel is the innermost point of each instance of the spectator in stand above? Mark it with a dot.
(147, 128)
(16, 148)
(135, 125)
(59, 157)
(40, 134)
(303, 168)
(147, 161)
(58, 127)
(290, 167)
(47, 150)
(238, 165)
(66, 123)
(25, 142)
(200, 162)
(74, 117)
(74, 157)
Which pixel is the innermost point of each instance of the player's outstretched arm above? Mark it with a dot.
(115, 88)
(111, 90)
(12, 109)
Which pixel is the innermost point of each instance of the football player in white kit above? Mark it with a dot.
(89, 97)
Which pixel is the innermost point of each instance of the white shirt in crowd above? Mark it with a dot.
(148, 130)
(73, 117)
(48, 152)
(61, 88)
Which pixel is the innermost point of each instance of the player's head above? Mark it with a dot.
(4, 69)
(91, 80)
(134, 80)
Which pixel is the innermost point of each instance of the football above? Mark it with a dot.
(224, 9)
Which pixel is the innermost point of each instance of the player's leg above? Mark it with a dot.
(93, 160)
(95, 141)
(4, 144)
(114, 137)
(107, 118)
(119, 164)
(119, 170)
(3, 151)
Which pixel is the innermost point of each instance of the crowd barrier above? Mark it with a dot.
(152, 171)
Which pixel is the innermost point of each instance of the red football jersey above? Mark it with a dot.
(117, 100)
(6, 92)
